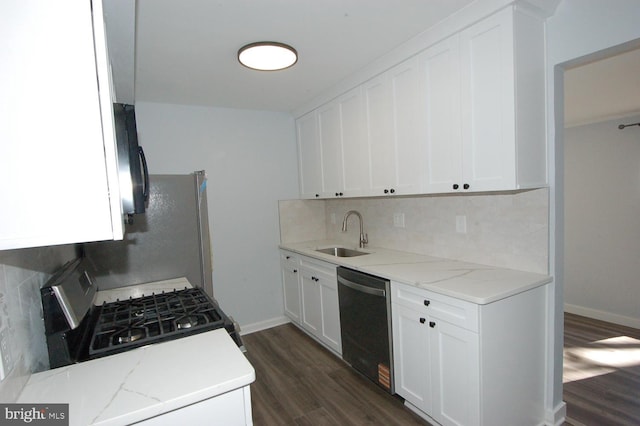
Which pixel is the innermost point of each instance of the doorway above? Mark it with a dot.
(598, 179)
(602, 189)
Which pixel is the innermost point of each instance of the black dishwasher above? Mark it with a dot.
(365, 325)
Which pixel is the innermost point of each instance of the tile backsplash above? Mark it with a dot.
(22, 273)
(509, 230)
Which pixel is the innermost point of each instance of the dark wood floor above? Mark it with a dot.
(601, 373)
(300, 383)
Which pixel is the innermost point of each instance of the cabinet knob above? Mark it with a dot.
(295, 271)
(317, 195)
(465, 186)
(427, 302)
(386, 191)
(422, 320)
(288, 257)
(456, 186)
(432, 324)
(392, 190)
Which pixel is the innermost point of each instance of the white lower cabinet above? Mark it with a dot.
(435, 361)
(290, 267)
(459, 363)
(455, 374)
(411, 357)
(231, 408)
(316, 310)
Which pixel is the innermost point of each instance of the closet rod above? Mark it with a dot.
(622, 126)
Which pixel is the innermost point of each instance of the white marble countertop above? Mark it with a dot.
(141, 383)
(480, 284)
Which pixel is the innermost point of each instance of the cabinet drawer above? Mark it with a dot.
(454, 311)
(289, 258)
(318, 265)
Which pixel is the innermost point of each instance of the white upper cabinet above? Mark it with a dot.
(488, 104)
(58, 179)
(333, 150)
(309, 160)
(355, 147)
(465, 114)
(393, 131)
(483, 99)
(503, 102)
(439, 91)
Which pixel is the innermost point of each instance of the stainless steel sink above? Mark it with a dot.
(341, 252)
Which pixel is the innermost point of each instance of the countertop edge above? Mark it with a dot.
(132, 373)
(530, 280)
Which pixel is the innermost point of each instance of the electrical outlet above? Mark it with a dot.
(461, 224)
(5, 354)
(398, 220)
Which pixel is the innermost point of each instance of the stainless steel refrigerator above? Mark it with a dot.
(170, 240)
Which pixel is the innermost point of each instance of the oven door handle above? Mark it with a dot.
(361, 288)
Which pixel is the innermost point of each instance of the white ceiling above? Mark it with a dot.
(605, 89)
(185, 50)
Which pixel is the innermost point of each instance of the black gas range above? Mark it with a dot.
(77, 330)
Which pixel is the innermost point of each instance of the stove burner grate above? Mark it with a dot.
(126, 324)
(128, 335)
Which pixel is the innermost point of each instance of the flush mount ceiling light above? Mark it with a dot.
(267, 56)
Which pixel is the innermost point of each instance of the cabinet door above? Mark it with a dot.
(380, 130)
(311, 302)
(291, 286)
(488, 102)
(330, 312)
(393, 129)
(408, 139)
(355, 147)
(331, 149)
(411, 359)
(309, 159)
(54, 182)
(440, 96)
(455, 380)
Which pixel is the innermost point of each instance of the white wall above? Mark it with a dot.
(602, 221)
(578, 28)
(250, 160)
(22, 273)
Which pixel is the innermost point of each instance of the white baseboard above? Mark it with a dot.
(602, 315)
(263, 325)
(557, 417)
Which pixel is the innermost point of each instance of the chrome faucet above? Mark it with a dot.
(363, 237)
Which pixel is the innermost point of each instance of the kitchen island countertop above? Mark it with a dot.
(145, 382)
(480, 284)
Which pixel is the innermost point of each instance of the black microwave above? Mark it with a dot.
(132, 164)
